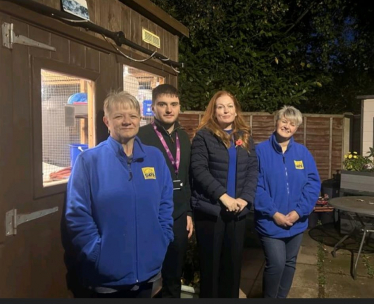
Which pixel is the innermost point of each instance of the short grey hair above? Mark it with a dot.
(290, 113)
(122, 98)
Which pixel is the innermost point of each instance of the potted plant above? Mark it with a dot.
(358, 173)
(191, 271)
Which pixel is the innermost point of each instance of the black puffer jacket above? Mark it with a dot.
(209, 170)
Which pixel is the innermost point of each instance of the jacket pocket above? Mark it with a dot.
(117, 259)
(152, 251)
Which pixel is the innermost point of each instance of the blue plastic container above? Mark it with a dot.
(75, 150)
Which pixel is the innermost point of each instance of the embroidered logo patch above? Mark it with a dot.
(299, 164)
(149, 173)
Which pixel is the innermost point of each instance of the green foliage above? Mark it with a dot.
(315, 55)
(369, 268)
(370, 152)
(356, 162)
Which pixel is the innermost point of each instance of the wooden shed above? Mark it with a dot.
(56, 69)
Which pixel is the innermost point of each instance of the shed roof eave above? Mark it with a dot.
(151, 11)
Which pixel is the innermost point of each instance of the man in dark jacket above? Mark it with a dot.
(166, 134)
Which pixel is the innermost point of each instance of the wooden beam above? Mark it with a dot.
(158, 16)
(91, 114)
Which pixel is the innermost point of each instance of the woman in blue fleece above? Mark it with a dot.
(287, 191)
(119, 208)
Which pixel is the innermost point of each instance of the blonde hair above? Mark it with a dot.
(240, 129)
(120, 98)
(290, 113)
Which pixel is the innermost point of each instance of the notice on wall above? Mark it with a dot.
(76, 7)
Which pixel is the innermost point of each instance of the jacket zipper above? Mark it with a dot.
(136, 227)
(287, 183)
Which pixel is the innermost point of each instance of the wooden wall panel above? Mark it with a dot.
(92, 11)
(136, 34)
(126, 21)
(173, 45)
(77, 54)
(21, 115)
(62, 47)
(92, 59)
(109, 79)
(6, 131)
(159, 32)
(51, 3)
(110, 15)
(166, 50)
(189, 123)
(152, 27)
(38, 35)
(262, 127)
(299, 135)
(115, 16)
(144, 23)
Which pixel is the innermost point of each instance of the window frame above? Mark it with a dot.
(37, 65)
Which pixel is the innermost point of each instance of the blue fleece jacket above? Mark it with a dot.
(286, 182)
(119, 214)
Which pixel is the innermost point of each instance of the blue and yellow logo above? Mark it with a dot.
(299, 164)
(149, 173)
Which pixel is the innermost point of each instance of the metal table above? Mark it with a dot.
(360, 206)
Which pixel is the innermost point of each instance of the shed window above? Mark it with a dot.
(65, 104)
(140, 84)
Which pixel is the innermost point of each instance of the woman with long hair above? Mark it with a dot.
(224, 178)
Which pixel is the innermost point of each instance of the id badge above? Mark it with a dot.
(177, 184)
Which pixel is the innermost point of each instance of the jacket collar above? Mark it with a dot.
(138, 152)
(276, 145)
(161, 128)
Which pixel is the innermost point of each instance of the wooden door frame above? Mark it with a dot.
(38, 64)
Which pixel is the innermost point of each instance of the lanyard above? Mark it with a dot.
(176, 162)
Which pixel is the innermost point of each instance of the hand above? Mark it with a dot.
(230, 203)
(189, 226)
(281, 220)
(292, 216)
(242, 204)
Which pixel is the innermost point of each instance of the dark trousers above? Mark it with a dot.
(144, 291)
(173, 264)
(79, 291)
(280, 256)
(220, 242)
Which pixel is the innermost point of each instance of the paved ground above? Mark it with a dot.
(318, 273)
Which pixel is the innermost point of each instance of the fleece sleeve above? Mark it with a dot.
(264, 203)
(200, 168)
(311, 190)
(165, 215)
(81, 229)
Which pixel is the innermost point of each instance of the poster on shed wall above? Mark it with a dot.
(76, 7)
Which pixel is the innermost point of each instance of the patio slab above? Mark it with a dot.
(339, 282)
